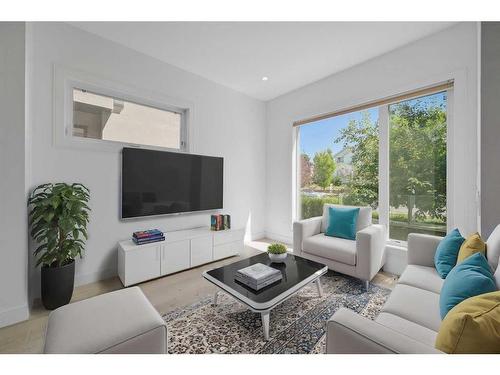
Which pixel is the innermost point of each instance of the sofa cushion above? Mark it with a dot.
(473, 244)
(364, 217)
(414, 304)
(446, 254)
(342, 222)
(413, 330)
(493, 248)
(333, 248)
(472, 326)
(422, 277)
(468, 279)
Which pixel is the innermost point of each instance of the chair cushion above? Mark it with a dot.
(103, 323)
(473, 244)
(413, 330)
(364, 217)
(468, 279)
(472, 326)
(342, 222)
(333, 248)
(493, 248)
(422, 277)
(446, 254)
(414, 304)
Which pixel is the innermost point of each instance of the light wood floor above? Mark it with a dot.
(165, 294)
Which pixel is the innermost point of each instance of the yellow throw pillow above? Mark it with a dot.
(472, 326)
(473, 244)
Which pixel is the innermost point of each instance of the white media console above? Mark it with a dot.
(181, 250)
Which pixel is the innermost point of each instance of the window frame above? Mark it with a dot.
(384, 163)
(66, 80)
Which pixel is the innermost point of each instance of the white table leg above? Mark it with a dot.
(318, 285)
(265, 324)
(216, 295)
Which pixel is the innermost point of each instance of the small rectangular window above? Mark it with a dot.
(103, 117)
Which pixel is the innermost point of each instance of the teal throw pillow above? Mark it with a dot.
(446, 254)
(342, 222)
(470, 278)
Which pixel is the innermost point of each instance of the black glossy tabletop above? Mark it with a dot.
(294, 271)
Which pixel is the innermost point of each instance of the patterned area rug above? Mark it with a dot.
(297, 325)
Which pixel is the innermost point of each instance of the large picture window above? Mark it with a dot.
(338, 162)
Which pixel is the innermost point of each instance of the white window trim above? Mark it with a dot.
(384, 164)
(65, 80)
(296, 206)
(383, 169)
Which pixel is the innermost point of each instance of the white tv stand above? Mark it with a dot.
(181, 250)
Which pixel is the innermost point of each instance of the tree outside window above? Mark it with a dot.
(417, 165)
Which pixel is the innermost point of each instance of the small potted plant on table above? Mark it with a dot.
(58, 215)
(277, 252)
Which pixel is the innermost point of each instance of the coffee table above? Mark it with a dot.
(297, 272)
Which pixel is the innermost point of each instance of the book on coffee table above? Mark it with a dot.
(257, 276)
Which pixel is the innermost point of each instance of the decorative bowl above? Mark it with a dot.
(277, 258)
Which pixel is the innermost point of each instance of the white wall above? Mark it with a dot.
(13, 194)
(449, 54)
(226, 123)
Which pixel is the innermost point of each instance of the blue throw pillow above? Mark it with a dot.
(447, 252)
(470, 278)
(342, 222)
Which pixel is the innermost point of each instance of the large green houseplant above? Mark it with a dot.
(58, 216)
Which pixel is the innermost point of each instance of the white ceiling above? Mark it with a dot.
(239, 54)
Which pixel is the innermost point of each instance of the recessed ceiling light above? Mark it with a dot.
(265, 78)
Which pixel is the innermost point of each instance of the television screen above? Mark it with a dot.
(159, 182)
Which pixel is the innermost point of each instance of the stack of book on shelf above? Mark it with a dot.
(257, 276)
(220, 222)
(148, 236)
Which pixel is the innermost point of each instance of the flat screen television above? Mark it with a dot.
(160, 183)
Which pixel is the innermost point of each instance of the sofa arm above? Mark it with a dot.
(303, 229)
(370, 247)
(350, 333)
(421, 249)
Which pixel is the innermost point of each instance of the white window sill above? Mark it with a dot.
(397, 245)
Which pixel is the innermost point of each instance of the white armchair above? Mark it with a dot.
(361, 258)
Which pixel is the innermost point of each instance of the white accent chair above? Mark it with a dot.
(361, 258)
(409, 321)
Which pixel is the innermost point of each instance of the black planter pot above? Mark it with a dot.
(57, 285)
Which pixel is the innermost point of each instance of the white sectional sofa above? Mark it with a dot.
(361, 258)
(409, 321)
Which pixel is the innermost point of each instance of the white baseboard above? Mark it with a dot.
(257, 236)
(278, 237)
(95, 276)
(14, 315)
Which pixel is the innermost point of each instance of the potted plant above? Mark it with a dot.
(58, 217)
(277, 252)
